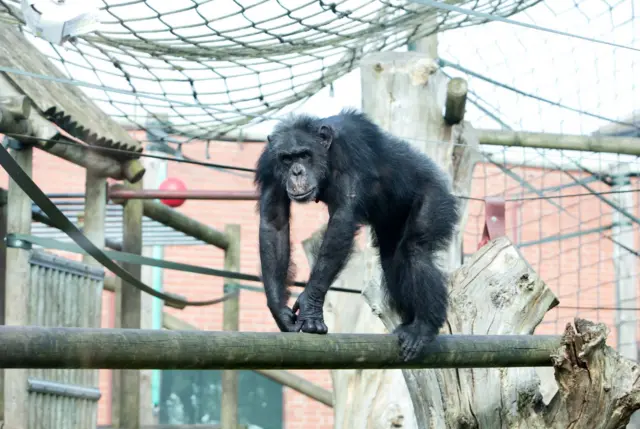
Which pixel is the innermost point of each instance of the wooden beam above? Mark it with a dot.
(178, 221)
(231, 322)
(595, 143)
(45, 347)
(43, 132)
(131, 316)
(17, 283)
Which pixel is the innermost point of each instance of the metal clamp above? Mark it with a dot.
(494, 219)
(13, 242)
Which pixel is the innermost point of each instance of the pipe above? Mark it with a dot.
(152, 194)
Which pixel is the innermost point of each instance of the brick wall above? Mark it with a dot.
(580, 269)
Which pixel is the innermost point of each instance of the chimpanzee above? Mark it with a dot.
(364, 176)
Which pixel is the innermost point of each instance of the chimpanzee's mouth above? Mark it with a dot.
(304, 196)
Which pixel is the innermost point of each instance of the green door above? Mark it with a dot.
(193, 396)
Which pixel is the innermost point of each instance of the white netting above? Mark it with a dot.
(215, 65)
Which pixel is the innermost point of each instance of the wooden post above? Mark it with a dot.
(116, 375)
(625, 266)
(231, 322)
(131, 316)
(156, 172)
(3, 273)
(95, 210)
(17, 281)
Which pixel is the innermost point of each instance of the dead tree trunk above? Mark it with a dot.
(495, 292)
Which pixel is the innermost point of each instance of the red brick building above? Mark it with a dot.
(579, 269)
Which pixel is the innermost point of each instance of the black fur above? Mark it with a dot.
(364, 176)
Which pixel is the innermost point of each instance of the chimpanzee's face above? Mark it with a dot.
(301, 159)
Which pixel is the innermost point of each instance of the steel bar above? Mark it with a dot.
(151, 194)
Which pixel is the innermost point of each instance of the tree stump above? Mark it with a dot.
(495, 292)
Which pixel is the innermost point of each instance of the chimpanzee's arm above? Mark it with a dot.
(275, 254)
(334, 252)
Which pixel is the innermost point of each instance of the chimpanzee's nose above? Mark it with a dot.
(297, 170)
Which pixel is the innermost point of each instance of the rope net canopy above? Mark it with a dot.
(214, 66)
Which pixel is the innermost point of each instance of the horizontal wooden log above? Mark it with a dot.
(43, 347)
(178, 221)
(595, 143)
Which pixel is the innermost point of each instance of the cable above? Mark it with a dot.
(130, 153)
(569, 307)
(445, 63)
(451, 8)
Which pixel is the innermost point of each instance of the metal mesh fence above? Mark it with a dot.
(216, 66)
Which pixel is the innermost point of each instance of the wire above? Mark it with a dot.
(251, 170)
(445, 63)
(583, 194)
(451, 8)
(130, 153)
(569, 307)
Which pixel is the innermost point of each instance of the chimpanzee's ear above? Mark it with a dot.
(269, 139)
(327, 134)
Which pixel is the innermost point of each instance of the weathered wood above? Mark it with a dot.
(456, 101)
(156, 172)
(131, 316)
(116, 375)
(18, 105)
(63, 293)
(595, 143)
(494, 292)
(17, 291)
(32, 347)
(94, 212)
(231, 322)
(95, 206)
(3, 273)
(178, 221)
(99, 164)
(17, 52)
(285, 378)
(10, 125)
(42, 131)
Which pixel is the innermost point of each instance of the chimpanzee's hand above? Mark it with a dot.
(285, 318)
(310, 319)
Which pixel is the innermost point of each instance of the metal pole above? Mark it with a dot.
(148, 194)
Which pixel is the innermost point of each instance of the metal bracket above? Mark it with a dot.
(74, 391)
(15, 144)
(15, 243)
(494, 219)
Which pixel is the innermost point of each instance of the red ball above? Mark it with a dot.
(173, 184)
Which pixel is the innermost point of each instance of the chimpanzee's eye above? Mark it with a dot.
(285, 159)
(305, 156)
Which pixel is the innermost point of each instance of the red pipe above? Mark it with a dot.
(151, 194)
